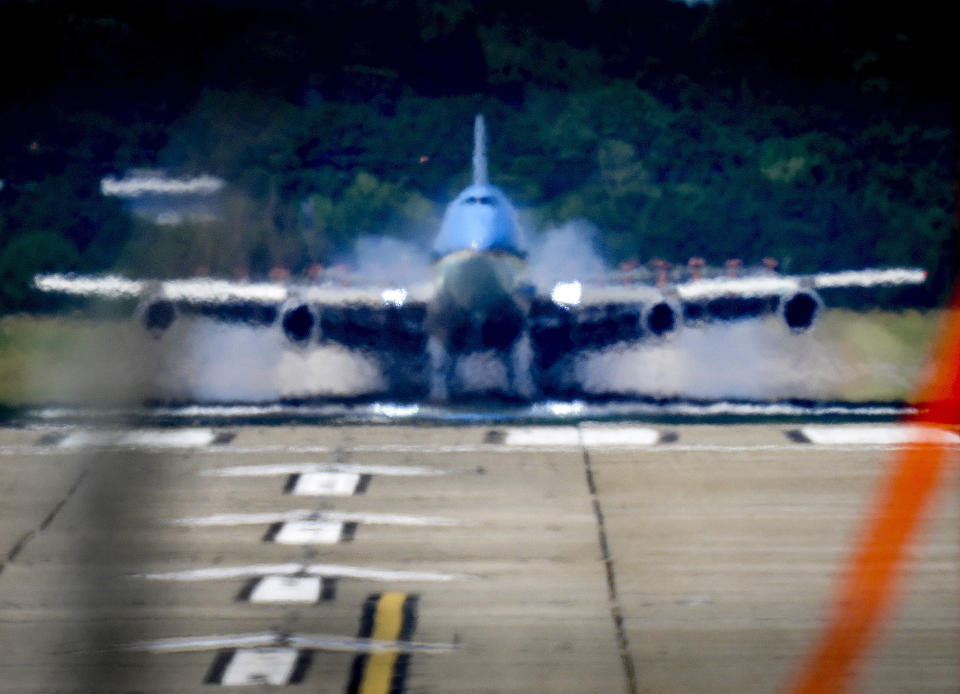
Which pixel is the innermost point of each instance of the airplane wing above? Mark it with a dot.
(562, 322)
(572, 317)
(201, 291)
(370, 317)
(628, 305)
(769, 285)
(632, 286)
(624, 307)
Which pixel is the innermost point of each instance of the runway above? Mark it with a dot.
(578, 557)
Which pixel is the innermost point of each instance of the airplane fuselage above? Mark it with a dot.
(479, 254)
(480, 301)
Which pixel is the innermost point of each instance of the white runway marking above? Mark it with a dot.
(896, 435)
(309, 532)
(286, 590)
(156, 438)
(618, 436)
(326, 484)
(245, 518)
(356, 645)
(585, 435)
(747, 448)
(208, 643)
(543, 436)
(267, 639)
(308, 514)
(260, 666)
(218, 573)
(307, 468)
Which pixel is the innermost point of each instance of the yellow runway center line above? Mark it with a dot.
(387, 622)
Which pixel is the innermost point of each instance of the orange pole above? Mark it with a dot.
(866, 593)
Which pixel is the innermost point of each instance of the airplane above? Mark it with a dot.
(480, 300)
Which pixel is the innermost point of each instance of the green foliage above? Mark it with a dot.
(518, 57)
(367, 206)
(244, 137)
(742, 129)
(25, 256)
(240, 239)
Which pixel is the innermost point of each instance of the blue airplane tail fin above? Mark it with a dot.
(479, 152)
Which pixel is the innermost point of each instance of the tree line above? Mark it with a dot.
(816, 132)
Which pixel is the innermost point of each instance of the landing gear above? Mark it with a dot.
(406, 376)
(482, 374)
(442, 368)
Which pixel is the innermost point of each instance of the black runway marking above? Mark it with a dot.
(300, 669)
(291, 483)
(495, 436)
(272, 531)
(218, 667)
(669, 437)
(328, 589)
(367, 614)
(363, 484)
(349, 532)
(51, 438)
(223, 438)
(401, 662)
(247, 590)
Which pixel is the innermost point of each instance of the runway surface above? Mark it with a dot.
(583, 557)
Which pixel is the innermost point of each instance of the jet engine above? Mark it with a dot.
(157, 315)
(799, 310)
(299, 322)
(660, 318)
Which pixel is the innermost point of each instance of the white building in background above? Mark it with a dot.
(153, 195)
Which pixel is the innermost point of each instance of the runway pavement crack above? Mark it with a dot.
(616, 611)
(25, 539)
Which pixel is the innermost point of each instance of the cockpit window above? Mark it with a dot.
(483, 200)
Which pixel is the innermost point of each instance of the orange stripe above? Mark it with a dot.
(866, 593)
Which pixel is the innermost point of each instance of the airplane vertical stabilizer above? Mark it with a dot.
(479, 152)
(481, 217)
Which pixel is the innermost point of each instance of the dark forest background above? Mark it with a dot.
(819, 132)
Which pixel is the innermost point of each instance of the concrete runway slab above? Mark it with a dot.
(595, 558)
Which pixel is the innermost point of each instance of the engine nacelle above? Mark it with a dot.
(800, 310)
(157, 315)
(660, 318)
(299, 322)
